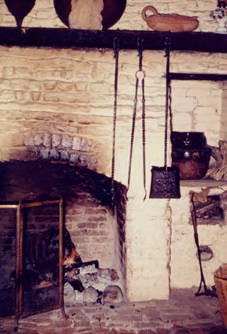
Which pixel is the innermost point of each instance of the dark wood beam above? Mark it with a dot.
(198, 76)
(152, 40)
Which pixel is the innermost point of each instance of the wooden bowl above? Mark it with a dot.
(168, 22)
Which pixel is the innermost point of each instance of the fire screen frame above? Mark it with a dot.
(19, 250)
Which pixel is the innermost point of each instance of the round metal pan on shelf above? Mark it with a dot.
(111, 13)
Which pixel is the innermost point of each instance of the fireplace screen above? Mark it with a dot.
(31, 257)
(7, 262)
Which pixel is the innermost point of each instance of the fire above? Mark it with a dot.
(71, 257)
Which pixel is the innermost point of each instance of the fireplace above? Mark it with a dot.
(46, 242)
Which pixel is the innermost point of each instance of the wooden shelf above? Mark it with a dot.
(152, 40)
(198, 76)
(203, 183)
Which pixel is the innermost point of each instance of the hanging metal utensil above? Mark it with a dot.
(207, 291)
(140, 76)
(111, 13)
(116, 56)
(165, 180)
(19, 9)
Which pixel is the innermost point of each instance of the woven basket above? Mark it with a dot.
(220, 279)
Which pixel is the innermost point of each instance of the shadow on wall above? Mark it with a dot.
(40, 180)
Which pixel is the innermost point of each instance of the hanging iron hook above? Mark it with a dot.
(140, 52)
(116, 46)
(167, 44)
(140, 74)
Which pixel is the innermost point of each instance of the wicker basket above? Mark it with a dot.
(220, 279)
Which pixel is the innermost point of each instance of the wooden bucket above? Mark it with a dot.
(220, 279)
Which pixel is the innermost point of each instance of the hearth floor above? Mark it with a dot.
(183, 313)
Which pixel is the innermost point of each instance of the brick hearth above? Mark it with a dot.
(182, 314)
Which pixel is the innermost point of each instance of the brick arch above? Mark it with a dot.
(75, 151)
(40, 178)
(62, 147)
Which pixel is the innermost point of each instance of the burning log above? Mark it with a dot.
(112, 295)
(72, 258)
(92, 284)
(90, 295)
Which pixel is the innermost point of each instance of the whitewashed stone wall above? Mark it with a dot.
(184, 262)
(148, 262)
(223, 126)
(48, 92)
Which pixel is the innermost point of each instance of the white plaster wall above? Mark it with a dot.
(223, 127)
(184, 262)
(147, 246)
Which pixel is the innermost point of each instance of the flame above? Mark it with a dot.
(72, 258)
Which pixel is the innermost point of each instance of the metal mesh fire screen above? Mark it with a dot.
(31, 257)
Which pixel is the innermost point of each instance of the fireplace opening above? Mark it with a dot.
(93, 258)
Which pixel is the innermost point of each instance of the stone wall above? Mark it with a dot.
(54, 101)
(48, 94)
(224, 116)
(184, 264)
(92, 227)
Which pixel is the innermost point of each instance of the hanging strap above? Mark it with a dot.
(116, 56)
(140, 75)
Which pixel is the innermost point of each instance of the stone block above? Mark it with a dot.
(84, 145)
(51, 97)
(50, 84)
(47, 140)
(54, 154)
(56, 140)
(64, 155)
(44, 154)
(35, 96)
(83, 160)
(74, 158)
(76, 143)
(38, 139)
(7, 96)
(8, 71)
(67, 141)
